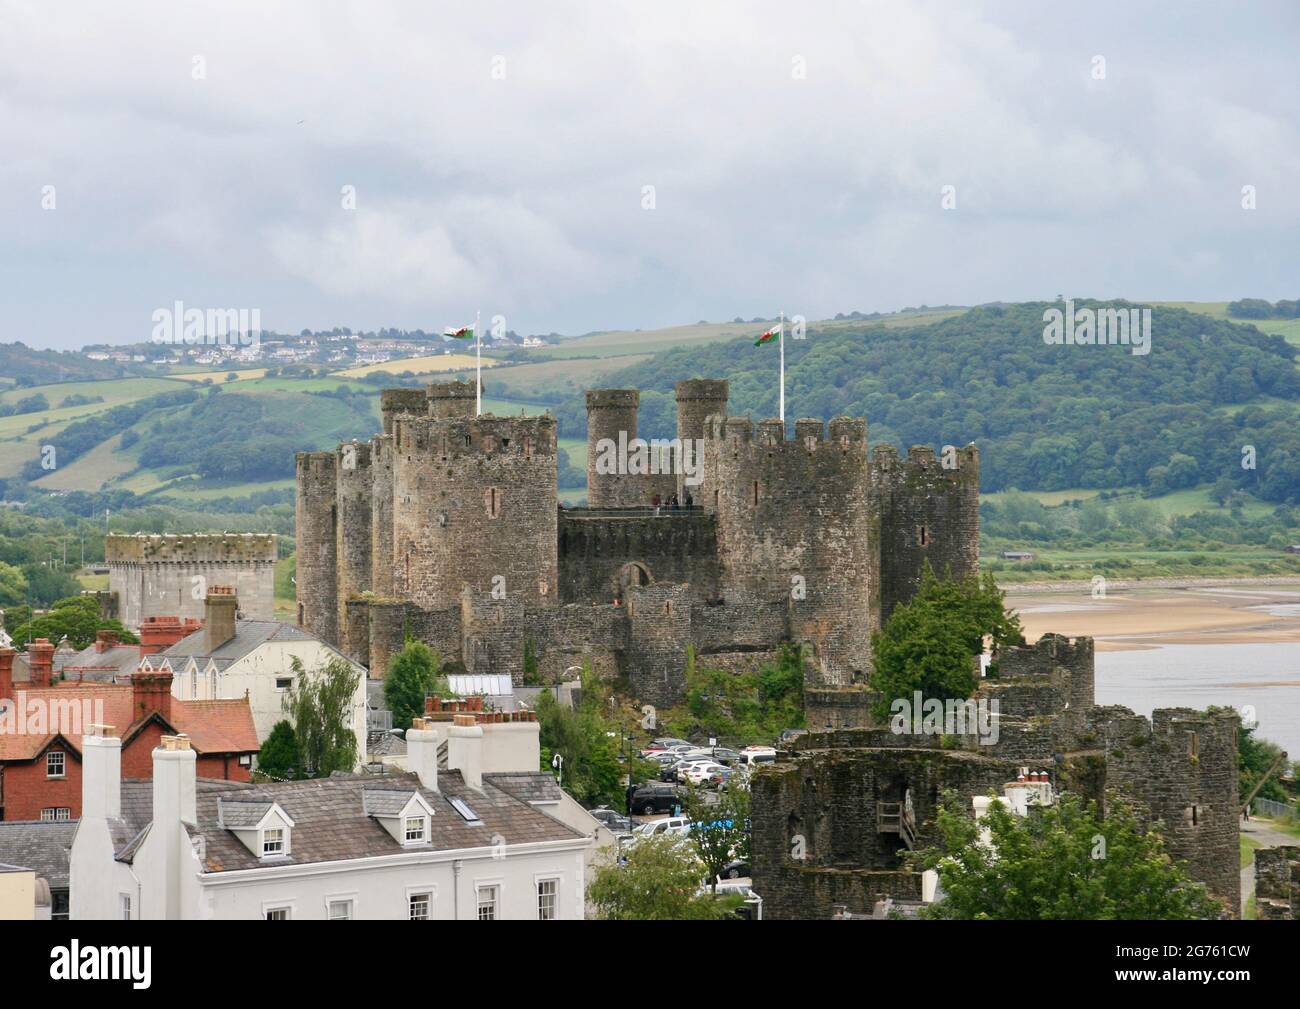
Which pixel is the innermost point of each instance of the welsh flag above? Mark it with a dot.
(768, 336)
(464, 333)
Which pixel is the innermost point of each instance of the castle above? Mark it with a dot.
(448, 526)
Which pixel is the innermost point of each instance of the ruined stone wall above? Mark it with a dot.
(169, 575)
(353, 531)
(1277, 883)
(923, 511)
(474, 506)
(452, 399)
(1182, 767)
(793, 525)
(816, 841)
(316, 534)
(831, 708)
(741, 622)
(492, 634)
(356, 630)
(659, 629)
(599, 552)
(574, 634)
(386, 635)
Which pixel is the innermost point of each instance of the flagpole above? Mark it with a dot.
(781, 338)
(478, 369)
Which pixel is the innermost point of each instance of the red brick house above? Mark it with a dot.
(41, 728)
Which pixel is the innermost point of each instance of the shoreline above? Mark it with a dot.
(1112, 584)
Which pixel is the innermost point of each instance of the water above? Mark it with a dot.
(1265, 677)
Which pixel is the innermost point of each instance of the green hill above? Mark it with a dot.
(1046, 417)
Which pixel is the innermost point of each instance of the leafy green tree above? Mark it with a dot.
(661, 881)
(931, 643)
(319, 706)
(588, 739)
(46, 586)
(743, 708)
(278, 757)
(719, 830)
(1065, 861)
(1255, 758)
(76, 617)
(13, 585)
(415, 673)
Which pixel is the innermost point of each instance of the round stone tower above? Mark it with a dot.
(405, 402)
(353, 543)
(793, 523)
(697, 400)
(451, 399)
(611, 427)
(381, 515)
(315, 522)
(475, 506)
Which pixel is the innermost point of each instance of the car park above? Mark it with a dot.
(699, 774)
(612, 819)
(678, 826)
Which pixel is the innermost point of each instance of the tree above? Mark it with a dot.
(413, 675)
(278, 758)
(76, 618)
(931, 643)
(661, 881)
(1065, 861)
(319, 705)
(719, 830)
(13, 585)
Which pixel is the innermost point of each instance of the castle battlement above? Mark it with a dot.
(456, 437)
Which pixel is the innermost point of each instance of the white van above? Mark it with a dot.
(750, 759)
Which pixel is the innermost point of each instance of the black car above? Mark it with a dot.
(654, 797)
(612, 819)
(739, 869)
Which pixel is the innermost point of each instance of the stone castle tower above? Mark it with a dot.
(448, 525)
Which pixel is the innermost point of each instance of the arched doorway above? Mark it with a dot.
(632, 573)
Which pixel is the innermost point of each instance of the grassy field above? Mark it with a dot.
(419, 365)
(219, 377)
(557, 378)
(1183, 502)
(1288, 329)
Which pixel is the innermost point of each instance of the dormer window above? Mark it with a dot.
(416, 829)
(273, 842)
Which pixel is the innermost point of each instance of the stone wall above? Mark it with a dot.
(659, 629)
(793, 526)
(316, 533)
(601, 552)
(353, 531)
(1277, 883)
(923, 510)
(169, 575)
(474, 506)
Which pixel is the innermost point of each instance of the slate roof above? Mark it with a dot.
(527, 786)
(89, 664)
(44, 847)
(239, 813)
(249, 635)
(331, 822)
(385, 801)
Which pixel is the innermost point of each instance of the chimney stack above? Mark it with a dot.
(219, 617)
(40, 659)
(7, 672)
(159, 633)
(151, 691)
(174, 776)
(101, 774)
(104, 640)
(422, 752)
(465, 749)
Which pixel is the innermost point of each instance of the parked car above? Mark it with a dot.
(654, 797)
(672, 826)
(721, 777)
(686, 766)
(739, 869)
(790, 735)
(751, 757)
(669, 742)
(725, 755)
(699, 774)
(612, 819)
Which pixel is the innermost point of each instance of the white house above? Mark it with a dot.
(231, 658)
(422, 845)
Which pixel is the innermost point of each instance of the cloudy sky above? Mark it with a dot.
(501, 154)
